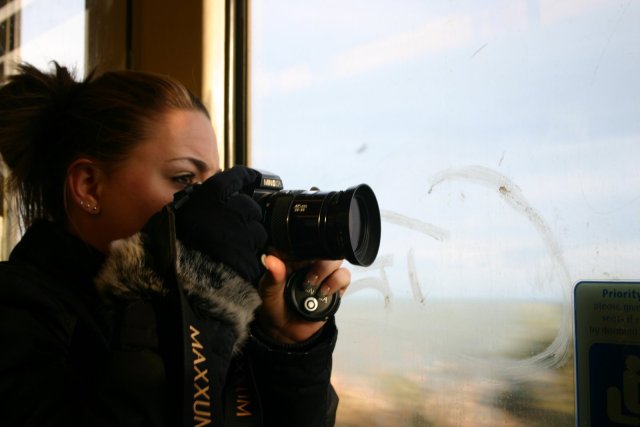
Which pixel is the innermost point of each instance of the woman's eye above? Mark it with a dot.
(185, 179)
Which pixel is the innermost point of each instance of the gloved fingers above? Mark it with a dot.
(245, 263)
(157, 233)
(226, 183)
(259, 233)
(239, 245)
(241, 225)
(224, 223)
(252, 270)
(245, 207)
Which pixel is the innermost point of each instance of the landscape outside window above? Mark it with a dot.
(502, 140)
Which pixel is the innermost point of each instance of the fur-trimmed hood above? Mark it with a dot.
(212, 288)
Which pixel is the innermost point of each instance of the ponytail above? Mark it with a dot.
(33, 121)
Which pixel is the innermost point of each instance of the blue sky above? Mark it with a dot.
(541, 95)
(53, 30)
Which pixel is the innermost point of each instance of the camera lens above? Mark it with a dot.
(323, 225)
(364, 225)
(355, 224)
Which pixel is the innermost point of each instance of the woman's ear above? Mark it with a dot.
(84, 179)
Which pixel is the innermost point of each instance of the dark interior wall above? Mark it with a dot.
(166, 37)
(107, 34)
(162, 36)
(185, 40)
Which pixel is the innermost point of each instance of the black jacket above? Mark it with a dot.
(67, 357)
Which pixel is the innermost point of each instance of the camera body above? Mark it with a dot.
(312, 224)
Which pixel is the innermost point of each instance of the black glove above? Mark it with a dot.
(219, 220)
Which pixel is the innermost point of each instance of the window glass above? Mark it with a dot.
(502, 140)
(53, 30)
(37, 32)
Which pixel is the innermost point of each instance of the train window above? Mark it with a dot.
(37, 32)
(502, 142)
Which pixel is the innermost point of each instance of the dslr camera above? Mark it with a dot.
(313, 224)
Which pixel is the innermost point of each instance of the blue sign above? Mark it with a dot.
(607, 353)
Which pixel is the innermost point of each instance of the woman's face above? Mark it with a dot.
(181, 150)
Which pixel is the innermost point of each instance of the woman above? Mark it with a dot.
(105, 317)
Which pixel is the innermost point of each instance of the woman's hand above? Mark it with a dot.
(219, 220)
(276, 319)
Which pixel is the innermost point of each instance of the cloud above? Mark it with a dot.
(435, 36)
(552, 11)
(294, 78)
(63, 42)
(432, 37)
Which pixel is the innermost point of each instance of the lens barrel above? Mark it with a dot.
(323, 225)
